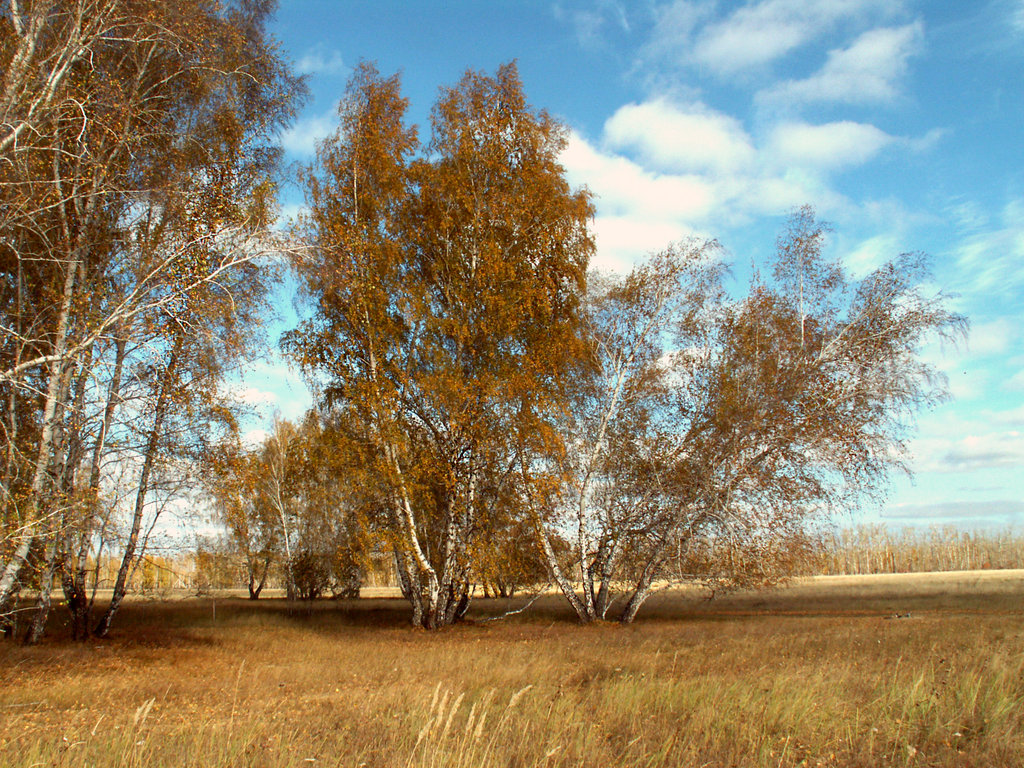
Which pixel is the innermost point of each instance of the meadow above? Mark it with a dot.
(819, 673)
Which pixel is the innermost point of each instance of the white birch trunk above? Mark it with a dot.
(29, 528)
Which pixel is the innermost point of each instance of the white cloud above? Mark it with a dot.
(678, 139)
(1013, 417)
(300, 140)
(969, 383)
(321, 62)
(989, 259)
(254, 437)
(254, 396)
(1015, 383)
(674, 25)
(664, 169)
(290, 396)
(752, 36)
(591, 22)
(692, 169)
(968, 380)
(992, 338)
(972, 452)
(870, 254)
(1000, 510)
(929, 141)
(968, 216)
(867, 71)
(761, 32)
(827, 147)
(620, 239)
(638, 210)
(771, 193)
(622, 186)
(588, 25)
(954, 439)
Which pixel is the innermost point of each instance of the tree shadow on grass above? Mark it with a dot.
(199, 622)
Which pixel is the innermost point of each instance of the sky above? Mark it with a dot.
(900, 122)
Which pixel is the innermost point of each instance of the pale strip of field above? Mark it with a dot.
(895, 585)
(933, 582)
(863, 585)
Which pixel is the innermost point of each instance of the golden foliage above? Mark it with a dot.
(446, 281)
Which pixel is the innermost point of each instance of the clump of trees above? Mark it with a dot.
(707, 432)
(138, 152)
(289, 510)
(446, 284)
(490, 414)
(637, 429)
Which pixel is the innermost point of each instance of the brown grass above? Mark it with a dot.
(814, 674)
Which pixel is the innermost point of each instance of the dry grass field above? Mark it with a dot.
(816, 674)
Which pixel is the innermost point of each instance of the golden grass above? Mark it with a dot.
(814, 674)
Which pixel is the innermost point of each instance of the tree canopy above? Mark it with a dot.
(446, 283)
(711, 433)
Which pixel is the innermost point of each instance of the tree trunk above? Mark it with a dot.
(462, 607)
(50, 410)
(77, 600)
(74, 572)
(605, 562)
(636, 600)
(640, 593)
(408, 579)
(61, 472)
(76, 526)
(255, 588)
(9, 614)
(555, 570)
(277, 478)
(149, 460)
(42, 613)
(11, 459)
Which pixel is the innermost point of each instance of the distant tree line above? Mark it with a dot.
(868, 549)
(489, 412)
(219, 563)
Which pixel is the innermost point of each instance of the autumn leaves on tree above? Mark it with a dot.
(489, 413)
(139, 149)
(640, 429)
(446, 281)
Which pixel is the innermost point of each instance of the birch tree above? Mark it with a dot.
(712, 431)
(249, 490)
(577, 480)
(137, 149)
(446, 281)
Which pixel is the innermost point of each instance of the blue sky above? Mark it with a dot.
(899, 121)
